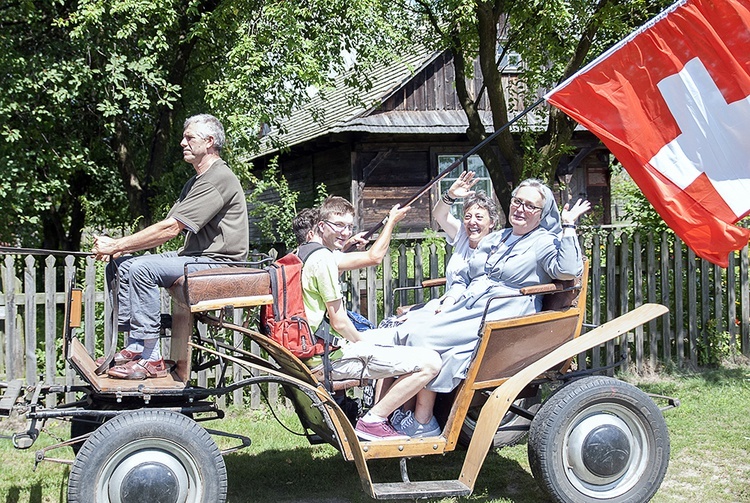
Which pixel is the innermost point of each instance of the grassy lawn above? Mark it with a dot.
(710, 460)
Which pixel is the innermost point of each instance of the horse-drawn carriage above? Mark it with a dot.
(593, 438)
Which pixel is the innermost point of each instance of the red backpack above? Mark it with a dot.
(284, 321)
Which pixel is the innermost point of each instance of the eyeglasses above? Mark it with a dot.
(340, 227)
(527, 206)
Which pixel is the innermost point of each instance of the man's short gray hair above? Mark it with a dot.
(208, 125)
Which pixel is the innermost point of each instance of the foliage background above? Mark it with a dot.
(96, 91)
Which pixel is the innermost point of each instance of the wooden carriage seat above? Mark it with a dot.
(508, 345)
(222, 286)
(238, 287)
(208, 290)
(563, 299)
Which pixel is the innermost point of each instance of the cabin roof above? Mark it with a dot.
(413, 121)
(334, 109)
(337, 110)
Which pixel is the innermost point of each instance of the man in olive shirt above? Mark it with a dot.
(211, 211)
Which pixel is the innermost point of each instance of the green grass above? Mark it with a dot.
(710, 459)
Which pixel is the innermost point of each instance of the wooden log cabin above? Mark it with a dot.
(406, 129)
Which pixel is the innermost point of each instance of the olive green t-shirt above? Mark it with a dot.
(213, 209)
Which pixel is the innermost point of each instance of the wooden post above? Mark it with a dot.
(638, 298)
(89, 302)
(237, 371)
(744, 301)
(596, 295)
(623, 291)
(611, 294)
(434, 291)
(69, 276)
(651, 287)
(30, 318)
(679, 303)
(692, 294)
(372, 296)
(418, 271)
(388, 286)
(732, 300)
(718, 299)
(50, 325)
(402, 276)
(705, 302)
(13, 350)
(666, 299)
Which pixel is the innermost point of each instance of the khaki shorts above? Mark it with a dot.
(367, 360)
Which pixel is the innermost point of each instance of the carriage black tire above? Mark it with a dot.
(512, 429)
(598, 439)
(148, 455)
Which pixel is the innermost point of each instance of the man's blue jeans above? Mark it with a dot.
(139, 299)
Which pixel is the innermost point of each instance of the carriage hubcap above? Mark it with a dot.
(149, 482)
(599, 449)
(147, 476)
(606, 451)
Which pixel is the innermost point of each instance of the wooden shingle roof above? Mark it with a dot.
(337, 107)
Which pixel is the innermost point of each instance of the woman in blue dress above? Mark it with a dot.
(540, 246)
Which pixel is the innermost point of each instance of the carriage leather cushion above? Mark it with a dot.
(221, 283)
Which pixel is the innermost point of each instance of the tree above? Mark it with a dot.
(554, 38)
(96, 92)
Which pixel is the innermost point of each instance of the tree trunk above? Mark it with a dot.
(141, 186)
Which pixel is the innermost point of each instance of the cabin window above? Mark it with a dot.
(511, 62)
(473, 163)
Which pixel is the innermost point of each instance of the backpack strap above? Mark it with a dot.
(324, 332)
(305, 250)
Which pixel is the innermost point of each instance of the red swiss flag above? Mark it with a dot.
(671, 103)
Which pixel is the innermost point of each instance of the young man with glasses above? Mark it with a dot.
(359, 357)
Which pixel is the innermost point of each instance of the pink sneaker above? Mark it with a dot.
(378, 431)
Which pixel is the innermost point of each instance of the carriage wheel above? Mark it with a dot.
(599, 439)
(148, 455)
(513, 428)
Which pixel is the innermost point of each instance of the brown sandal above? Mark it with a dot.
(121, 357)
(140, 369)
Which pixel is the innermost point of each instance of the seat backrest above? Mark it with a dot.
(569, 296)
(220, 283)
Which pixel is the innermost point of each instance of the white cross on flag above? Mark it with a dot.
(672, 103)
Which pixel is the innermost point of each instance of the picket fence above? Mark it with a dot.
(709, 306)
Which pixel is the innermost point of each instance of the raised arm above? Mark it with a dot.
(376, 253)
(565, 261)
(442, 211)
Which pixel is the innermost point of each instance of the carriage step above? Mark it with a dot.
(10, 396)
(421, 489)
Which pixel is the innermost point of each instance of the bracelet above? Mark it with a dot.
(448, 199)
(568, 226)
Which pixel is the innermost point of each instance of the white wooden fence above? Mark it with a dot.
(709, 306)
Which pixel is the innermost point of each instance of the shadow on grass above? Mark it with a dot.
(705, 376)
(721, 375)
(321, 475)
(36, 492)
